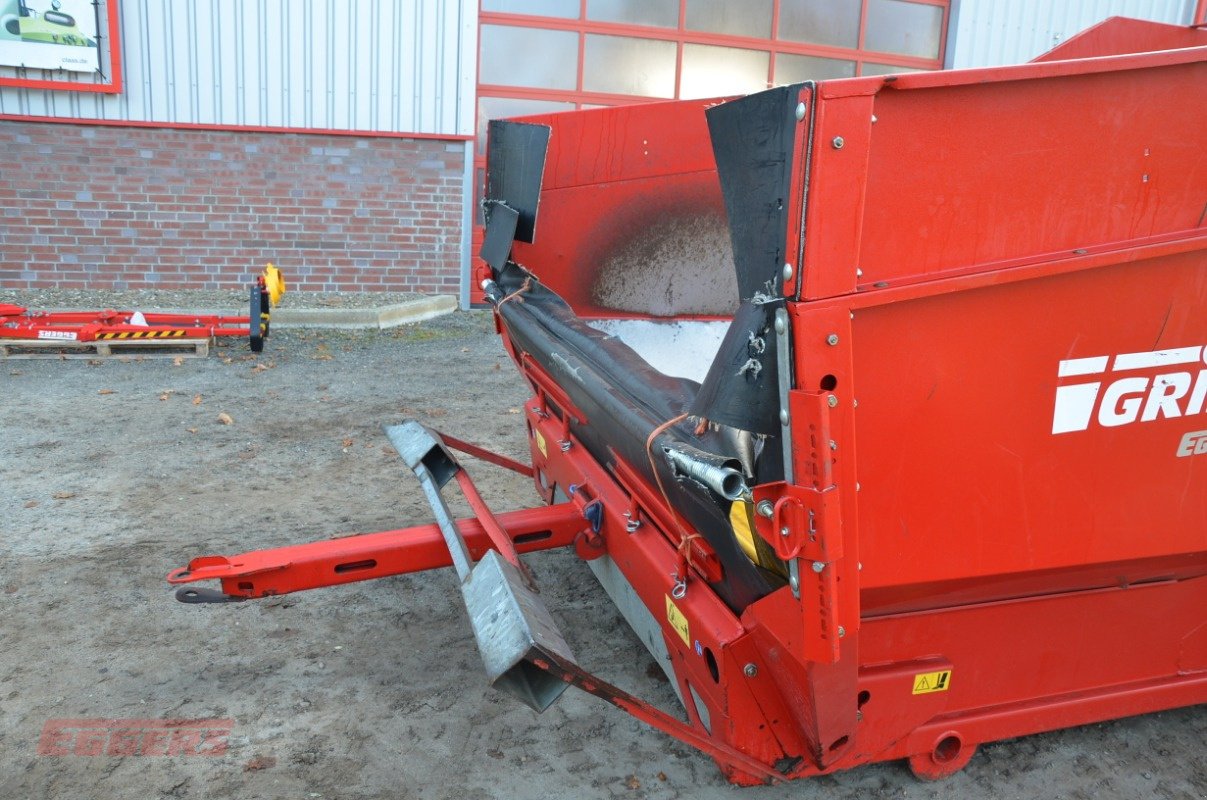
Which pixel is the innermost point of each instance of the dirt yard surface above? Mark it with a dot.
(115, 472)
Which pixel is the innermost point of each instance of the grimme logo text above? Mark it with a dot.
(1131, 388)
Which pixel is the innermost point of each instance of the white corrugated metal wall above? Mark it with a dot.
(405, 66)
(988, 33)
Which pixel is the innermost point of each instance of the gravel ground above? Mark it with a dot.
(154, 300)
(115, 472)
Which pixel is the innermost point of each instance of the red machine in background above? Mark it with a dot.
(939, 480)
(80, 327)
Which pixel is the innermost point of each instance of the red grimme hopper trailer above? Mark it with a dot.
(879, 405)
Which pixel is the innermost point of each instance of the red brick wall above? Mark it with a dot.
(106, 207)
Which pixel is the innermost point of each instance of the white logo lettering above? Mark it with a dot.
(1193, 444)
(1128, 399)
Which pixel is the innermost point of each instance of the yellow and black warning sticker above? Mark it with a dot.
(540, 442)
(927, 682)
(679, 622)
(156, 334)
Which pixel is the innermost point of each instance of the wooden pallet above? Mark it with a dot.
(143, 348)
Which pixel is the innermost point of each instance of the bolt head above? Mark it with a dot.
(750, 670)
(841, 631)
(785, 531)
(779, 325)
(800, 111)
(832, 401)
(818, 566)
(787, 272)
(832, 339)
(765, 508)
(837, 142)
(783, 416)
(833, 445)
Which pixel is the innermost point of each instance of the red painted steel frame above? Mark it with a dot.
(88, 326)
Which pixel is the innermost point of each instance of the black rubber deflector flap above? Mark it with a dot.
(752, 142)
(501, 222)
(741, 388)
(514, 169)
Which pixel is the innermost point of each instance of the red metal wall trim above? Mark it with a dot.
(201, 126)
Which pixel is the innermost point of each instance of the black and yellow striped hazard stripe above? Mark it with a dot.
(174, 334)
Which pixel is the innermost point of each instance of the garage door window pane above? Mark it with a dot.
(794, 69)
(659, 13)
(540, 8)
(749, 18)
(541, 59)
(911, 29)
(621, 65)
(716, 71)
(833, 22)
(502, 107)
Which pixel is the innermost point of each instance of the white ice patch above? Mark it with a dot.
(682, 348)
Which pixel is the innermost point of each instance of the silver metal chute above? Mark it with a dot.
(515, 633)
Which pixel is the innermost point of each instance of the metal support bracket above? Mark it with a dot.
(511, 624)
(801, 520)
